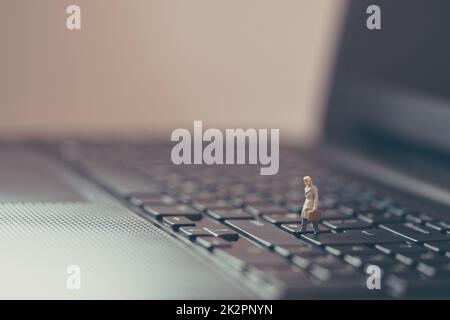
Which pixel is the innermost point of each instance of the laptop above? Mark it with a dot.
(107, 219)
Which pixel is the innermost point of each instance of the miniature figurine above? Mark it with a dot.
(311, 204)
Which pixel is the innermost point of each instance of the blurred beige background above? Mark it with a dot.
(139, 66)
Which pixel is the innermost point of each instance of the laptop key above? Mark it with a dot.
(406, 248)
(431, 258)
(263, 232)
(382, 260)
(160, 211)
(213, 204)
(243, 253)
(304, 250)
(249, 198)
(380, 217)
(346, 210)
(339, 250)
(293, 227)
(332, 214)
(415, 232)
(176, 222)
(340, 225)
(211, 243)
(222, 214)
(440, 226)
(439, 269)
(222, 232)
(419, 218)
(265, 208)
(355, 237)
(439, 246)
(194, 232)
(328, 261)
(398, 210)
(416, 287)
(282, 218)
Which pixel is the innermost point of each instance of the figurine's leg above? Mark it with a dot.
(316, 227)
(304, 225)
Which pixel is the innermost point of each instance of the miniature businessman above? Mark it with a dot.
(311, 203)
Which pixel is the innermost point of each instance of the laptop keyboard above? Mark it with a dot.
(247, 222)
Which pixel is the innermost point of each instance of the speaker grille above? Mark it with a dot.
(120, 255)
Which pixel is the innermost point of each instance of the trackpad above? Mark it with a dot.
(28, 177)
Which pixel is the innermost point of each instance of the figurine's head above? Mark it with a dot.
(307, 181)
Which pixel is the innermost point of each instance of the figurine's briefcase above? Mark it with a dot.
(314, 215)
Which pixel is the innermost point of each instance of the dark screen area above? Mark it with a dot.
(392, 86)
(412, 49)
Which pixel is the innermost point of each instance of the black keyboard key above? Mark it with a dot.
(360, 207)
(381, 260)
(212, 243)
(398, 210)
(418, 218)
(213, 204)
(415, 233)
(380, 217)
(416, 287)
(302, 285)
(405, 271)
(289, 276)
(320, 272)
(266, 208)
(250, 198)
(439, 269)
(304, 250)
(194, 232)
(440, 226)
(217, 229)
(222, 214)
(348, 224)
(291, 197)
(355, 237)
(440, 246)
(332, 214)
(328, 203)
(380, 204)
(244, 253)
(339, 250)
(431, 258)
(327, 261)
(263, 232)
(203, 196)
(282, 218)
(293, 227)
(346, 210)
(323, 284)
(176, 222)
(160, 211)
(405, 248)
(222, 232)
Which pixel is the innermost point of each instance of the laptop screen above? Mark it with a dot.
(394, 83)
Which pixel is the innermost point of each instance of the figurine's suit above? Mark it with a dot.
(311, 201)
